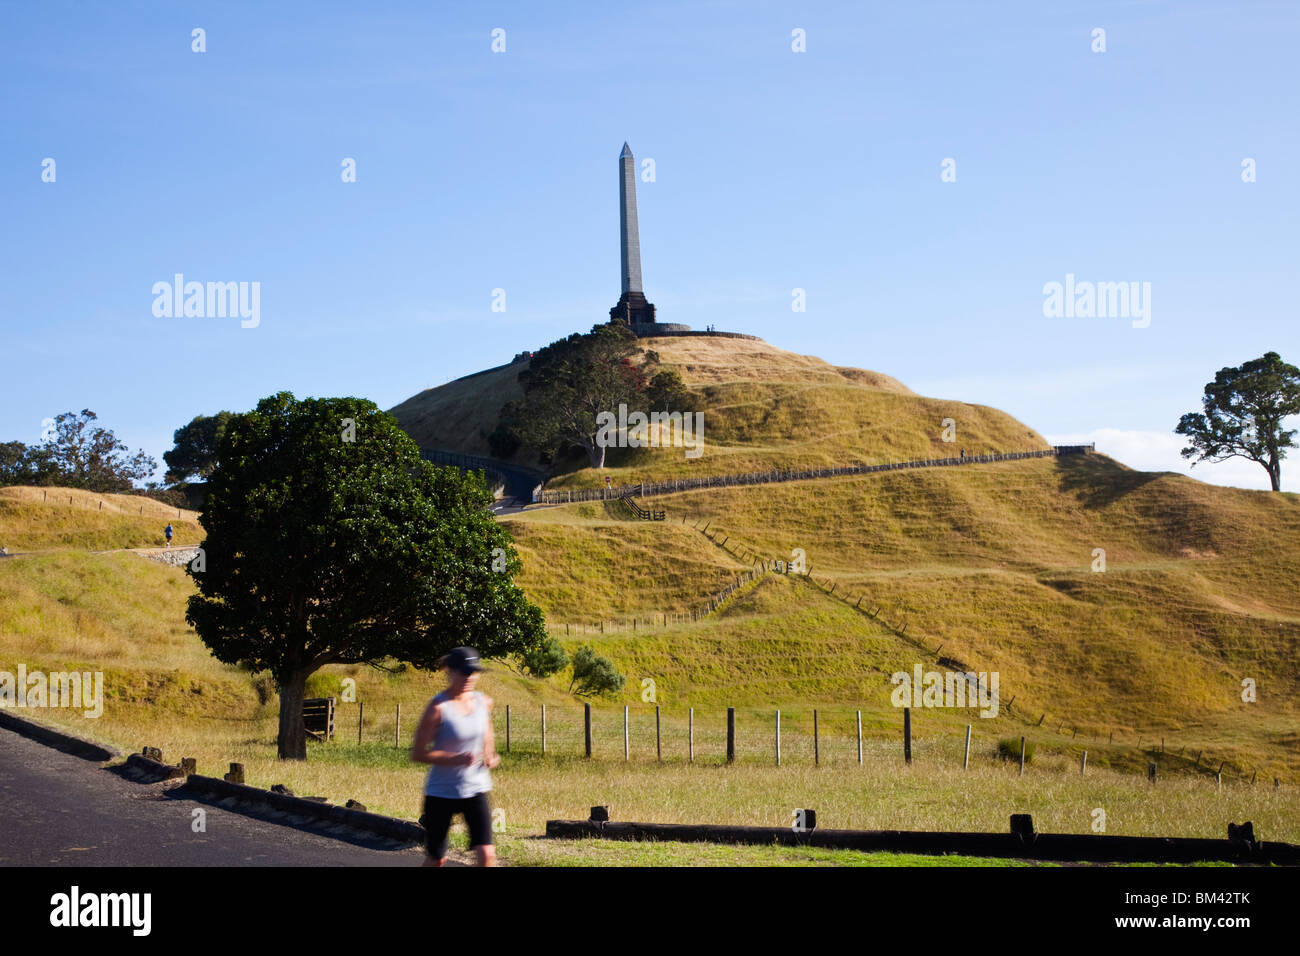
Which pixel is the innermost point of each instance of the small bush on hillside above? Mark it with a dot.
(323, 685)
(546, 660)
(1009, 749)
(264, 687)
(593, 675)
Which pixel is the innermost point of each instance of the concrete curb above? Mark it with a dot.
(389, 827)
(1060, 847)
(58, 739)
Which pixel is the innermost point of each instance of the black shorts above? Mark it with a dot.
(438, 812)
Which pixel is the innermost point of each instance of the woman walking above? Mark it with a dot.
(455, 738)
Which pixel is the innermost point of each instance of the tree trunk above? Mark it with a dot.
(596, 453)
(1275, 472)
(292, 741)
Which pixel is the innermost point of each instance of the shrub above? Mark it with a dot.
(545, 660)
(593, 675)
(321, 684)
(264, 687)
(1009, 749)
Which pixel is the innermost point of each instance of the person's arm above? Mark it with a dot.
(424, 734)
(490, 756)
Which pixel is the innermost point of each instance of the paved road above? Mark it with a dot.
(60, 810)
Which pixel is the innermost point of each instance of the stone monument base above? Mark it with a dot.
(633, 310)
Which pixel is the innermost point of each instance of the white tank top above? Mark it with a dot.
(459, 732)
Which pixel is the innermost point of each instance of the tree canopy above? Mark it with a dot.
(76, 453)
(330, 541)
(195, 447)
(569, 382)
(1244, 410)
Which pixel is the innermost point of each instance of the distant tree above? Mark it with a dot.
(545, 660)
(195, 451)
(13, 463)
(1244, 410)
(28, 465)
(668, 393)
(593, 675)
(330, 541)
(568, 383)
(503, 440)
(80, 454)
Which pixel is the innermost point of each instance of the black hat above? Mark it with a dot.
(464, 659)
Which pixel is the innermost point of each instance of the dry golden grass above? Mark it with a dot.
(35, 519)
(763, 408)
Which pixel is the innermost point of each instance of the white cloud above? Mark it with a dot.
(1159, 451)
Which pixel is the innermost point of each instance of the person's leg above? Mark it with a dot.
(437, 821)
(478, 818)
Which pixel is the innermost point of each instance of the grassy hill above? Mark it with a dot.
(34, 519)
(763, 408)
(991, 561)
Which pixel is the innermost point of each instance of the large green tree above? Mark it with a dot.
(1244, 411)
(568, 383)
(195, 447)
(330, 541)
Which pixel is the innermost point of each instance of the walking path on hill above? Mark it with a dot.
(672, 486)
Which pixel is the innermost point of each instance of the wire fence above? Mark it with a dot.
(671, 486)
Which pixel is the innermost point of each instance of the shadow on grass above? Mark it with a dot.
(1098, 481)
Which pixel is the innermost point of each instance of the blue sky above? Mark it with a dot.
(774, 170)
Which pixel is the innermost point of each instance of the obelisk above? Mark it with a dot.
(632, 306)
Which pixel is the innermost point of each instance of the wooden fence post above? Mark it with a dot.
(965, 763)
(397, 729)
(543, 728)
(507, 728)
(907, 734)
(731, 735)
(361, 714)
(1022, 756)
(817, 750)
(778, 738)
(859, 738)
(659, 747)
(690, 735)
(1083, 764)
(586, 727)
(627, 746)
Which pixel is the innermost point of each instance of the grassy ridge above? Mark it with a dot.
(763, 408)
(34, 519)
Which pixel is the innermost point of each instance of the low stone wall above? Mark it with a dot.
(661, 330)
(177, 557)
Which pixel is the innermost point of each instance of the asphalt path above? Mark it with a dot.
(61, 810)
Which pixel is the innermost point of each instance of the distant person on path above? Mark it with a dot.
(168, 531)
(455, 737)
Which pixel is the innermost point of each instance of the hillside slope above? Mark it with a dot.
(993, 562)
(34, 519)
(763, 408)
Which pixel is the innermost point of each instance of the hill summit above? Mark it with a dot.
(764, 408)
